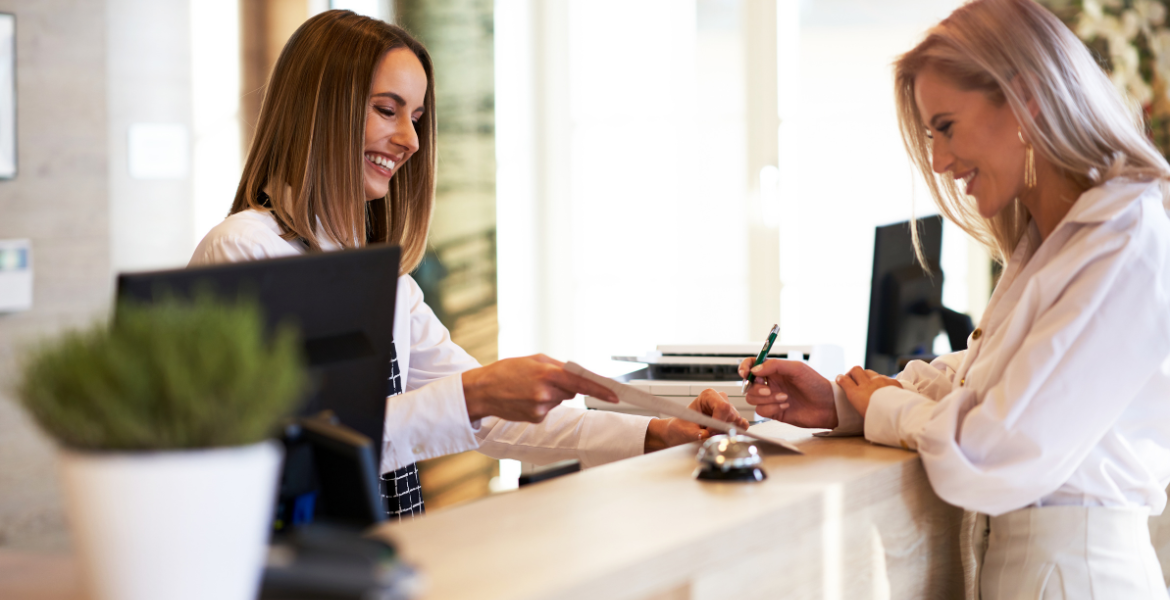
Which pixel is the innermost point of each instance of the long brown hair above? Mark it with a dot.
(310, 138)
(1015, 51)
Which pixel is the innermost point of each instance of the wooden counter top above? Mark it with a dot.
(36, 576)
(848, 520)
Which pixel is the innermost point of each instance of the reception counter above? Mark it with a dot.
(847, 520)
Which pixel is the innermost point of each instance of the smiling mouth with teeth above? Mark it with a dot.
(380, 161)
(967, 180)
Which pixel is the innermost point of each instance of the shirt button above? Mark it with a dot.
(418, 449)
(978, 333)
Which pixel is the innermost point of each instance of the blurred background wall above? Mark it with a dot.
(844, 170)
(613, 174)
(692, 171)
(60, 200)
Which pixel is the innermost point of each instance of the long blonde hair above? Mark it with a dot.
(310, 139)
(1016, 51)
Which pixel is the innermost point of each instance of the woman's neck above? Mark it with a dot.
(1051, 198)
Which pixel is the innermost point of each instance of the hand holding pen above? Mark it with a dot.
(771, 339)
(788, 390)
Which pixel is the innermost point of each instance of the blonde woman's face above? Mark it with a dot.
(396, 105)
(973, 140)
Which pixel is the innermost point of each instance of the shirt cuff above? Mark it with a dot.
(897, 417)
(429, 422)
(608, 436)
(849, 421)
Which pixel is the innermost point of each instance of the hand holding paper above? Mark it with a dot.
(632, 395)
(666, 433)
(523, 388)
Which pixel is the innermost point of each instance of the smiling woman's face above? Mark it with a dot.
(974, 139)
(396, 105)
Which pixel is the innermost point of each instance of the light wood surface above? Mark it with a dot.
(32, 576)
(847, 520)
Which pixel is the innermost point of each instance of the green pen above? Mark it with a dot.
(763, 355)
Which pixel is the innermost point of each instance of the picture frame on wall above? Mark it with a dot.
(7, 96)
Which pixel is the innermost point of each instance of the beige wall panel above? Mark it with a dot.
(59, 199)
(265, 26)
(148, 81)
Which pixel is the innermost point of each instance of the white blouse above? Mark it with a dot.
(431, 419)
(1063, 395)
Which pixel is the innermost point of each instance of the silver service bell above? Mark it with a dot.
(729, 457)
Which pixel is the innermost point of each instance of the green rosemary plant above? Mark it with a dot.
(169, 375)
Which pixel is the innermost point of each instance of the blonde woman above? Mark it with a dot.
(1056, 419)
(343, 156)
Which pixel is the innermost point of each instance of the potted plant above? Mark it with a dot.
(164, 419)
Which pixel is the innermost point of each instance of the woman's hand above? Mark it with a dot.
(790, 391)
(860, 384)
(664, 433)
(524, 389)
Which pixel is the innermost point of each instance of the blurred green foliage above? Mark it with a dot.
(169, 375)
(1130, 40)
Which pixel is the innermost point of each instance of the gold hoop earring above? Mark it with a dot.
(1029, 162)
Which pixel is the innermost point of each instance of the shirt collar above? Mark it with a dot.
(324, 240)
(1108, 200)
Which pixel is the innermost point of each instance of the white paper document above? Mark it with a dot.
(632, 395)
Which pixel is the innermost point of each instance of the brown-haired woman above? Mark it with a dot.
(343, 156)
(1053, 428)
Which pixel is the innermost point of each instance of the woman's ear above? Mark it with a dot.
(1033, 107)
(1020, 84)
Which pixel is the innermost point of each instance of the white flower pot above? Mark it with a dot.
(174, 525)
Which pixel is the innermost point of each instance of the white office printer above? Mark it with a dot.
(682, 372)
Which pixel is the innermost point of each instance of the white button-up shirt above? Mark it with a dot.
(430, 419)
(1064, 397)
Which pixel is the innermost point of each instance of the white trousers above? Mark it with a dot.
(1062, 552)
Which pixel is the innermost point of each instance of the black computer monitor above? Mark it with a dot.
(906, 312)
(341, 302)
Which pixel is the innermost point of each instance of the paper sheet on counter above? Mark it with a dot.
(637, 397)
